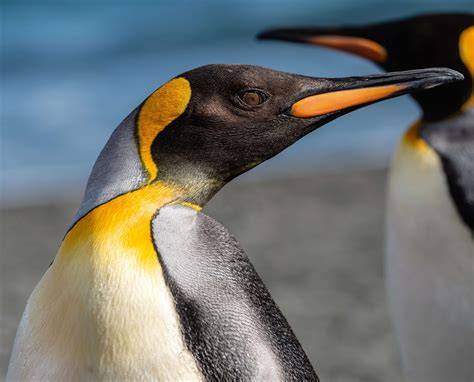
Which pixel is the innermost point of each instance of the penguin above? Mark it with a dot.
(430, 203)
(145, 286)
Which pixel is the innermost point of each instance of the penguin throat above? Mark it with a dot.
(196, 184)
(443, 102)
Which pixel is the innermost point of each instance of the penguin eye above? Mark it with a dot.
(252, 97)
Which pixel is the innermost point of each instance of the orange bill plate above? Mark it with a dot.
(321, 104)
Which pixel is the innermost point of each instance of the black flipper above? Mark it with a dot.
(230, 323)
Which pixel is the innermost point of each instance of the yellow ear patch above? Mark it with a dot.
(159, 110)
(466, 51)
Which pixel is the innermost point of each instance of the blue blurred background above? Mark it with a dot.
(71, 71)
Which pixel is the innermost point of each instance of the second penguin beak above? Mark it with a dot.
(335, 38)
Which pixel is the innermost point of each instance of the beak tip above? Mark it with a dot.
(444, 76)
(450, 73)
(456, 75)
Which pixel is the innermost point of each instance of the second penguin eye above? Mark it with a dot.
(252, 98)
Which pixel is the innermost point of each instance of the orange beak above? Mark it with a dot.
(330, 38)
(352, 92)
(329, 102)
(357, 45)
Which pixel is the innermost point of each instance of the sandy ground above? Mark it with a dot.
(317, 243)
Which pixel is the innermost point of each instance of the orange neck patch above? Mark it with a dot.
(159, 110)
(412, 138)
(466, 51)
(121, 227)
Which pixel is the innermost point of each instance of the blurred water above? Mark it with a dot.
(72, 72)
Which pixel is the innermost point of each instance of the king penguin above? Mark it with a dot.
(430, 204)
(145, 286)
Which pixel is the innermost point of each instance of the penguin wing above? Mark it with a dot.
(453, 140)
(228, 319)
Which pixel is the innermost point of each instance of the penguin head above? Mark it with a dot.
(419, 42)
(208, 125)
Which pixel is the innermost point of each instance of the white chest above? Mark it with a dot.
(87, 320)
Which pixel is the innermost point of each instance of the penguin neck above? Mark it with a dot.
(451, 99)
(446, 109)
(186, 185)
(122, 224)
(119, 170)
(415, 137)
